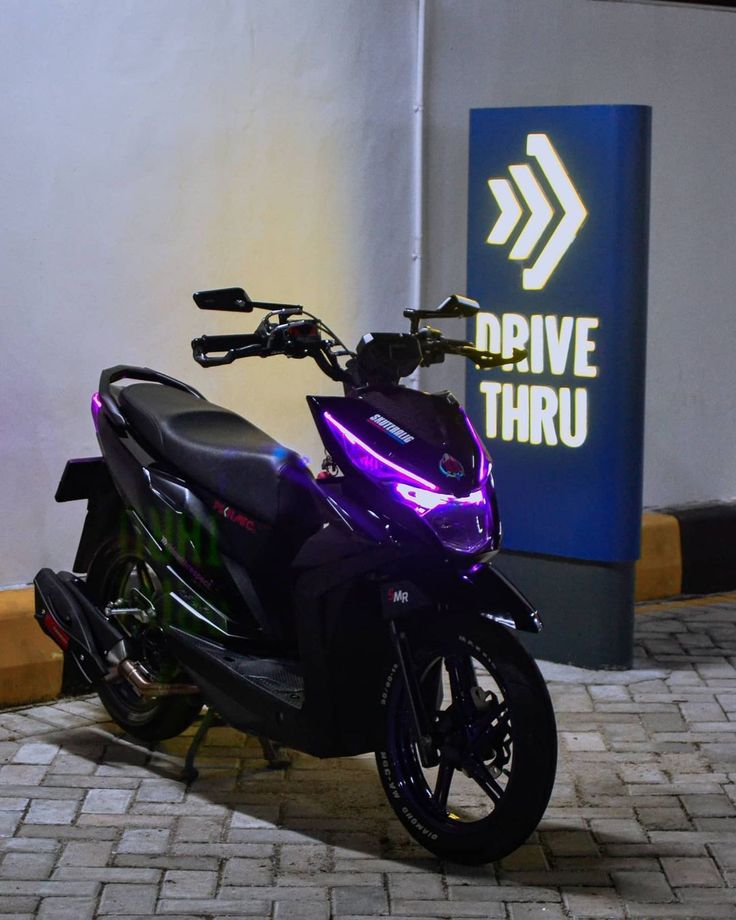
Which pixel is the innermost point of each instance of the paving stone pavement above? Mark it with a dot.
(642, 822)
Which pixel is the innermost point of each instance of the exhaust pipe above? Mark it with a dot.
(135, 674)
(67, 615)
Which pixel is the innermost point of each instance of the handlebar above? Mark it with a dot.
(381, 358)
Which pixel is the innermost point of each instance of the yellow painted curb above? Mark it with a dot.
(31, 664)
(659, 569)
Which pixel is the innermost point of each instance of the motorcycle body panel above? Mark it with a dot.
(186, 537)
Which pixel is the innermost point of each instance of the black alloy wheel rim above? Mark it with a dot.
(474, 736)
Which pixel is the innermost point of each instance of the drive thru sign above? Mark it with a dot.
(557, 258)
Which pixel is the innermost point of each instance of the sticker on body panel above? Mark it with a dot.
(450, 466)
(237, 517)
(402, 597)
(398, 434)
(397, 596)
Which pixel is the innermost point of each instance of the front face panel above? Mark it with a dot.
(418, 459)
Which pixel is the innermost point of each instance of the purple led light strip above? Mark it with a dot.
(96, 407)
(353, 439)
(423, 502)
(481, 448)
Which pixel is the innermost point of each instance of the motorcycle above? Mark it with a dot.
(358, 611)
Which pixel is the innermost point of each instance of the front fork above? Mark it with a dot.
(423, 725)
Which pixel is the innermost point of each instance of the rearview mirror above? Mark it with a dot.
(457, 305)
(231, 300)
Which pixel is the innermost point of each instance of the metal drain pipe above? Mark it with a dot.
(418, 171)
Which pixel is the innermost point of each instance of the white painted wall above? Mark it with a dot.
(150, 149)
(680, 60)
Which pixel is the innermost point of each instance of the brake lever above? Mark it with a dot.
(203, 359)
(207, 361)
(233, 354)
(485, 360)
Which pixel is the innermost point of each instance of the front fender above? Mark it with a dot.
(500, 599)
(483, 590)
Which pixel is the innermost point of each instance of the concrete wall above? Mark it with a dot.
(153, 149)
(680, 61)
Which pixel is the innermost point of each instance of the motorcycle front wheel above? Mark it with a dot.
(493, 728)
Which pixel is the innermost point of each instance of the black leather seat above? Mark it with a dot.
(222, 451)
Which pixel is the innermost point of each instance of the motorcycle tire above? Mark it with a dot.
(493, 725)
(120, 570)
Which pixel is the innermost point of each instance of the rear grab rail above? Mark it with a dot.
(127, 372)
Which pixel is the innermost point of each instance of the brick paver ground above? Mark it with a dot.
(642, 822)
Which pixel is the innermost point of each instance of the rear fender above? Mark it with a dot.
(90, 478)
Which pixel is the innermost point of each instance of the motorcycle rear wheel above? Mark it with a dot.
(120, 570)
(494, 726)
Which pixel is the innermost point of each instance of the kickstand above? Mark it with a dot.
(190, 772)
(277, 758)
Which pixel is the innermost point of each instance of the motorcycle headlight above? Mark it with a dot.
(464, 524)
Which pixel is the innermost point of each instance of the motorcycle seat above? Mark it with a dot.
(220, 450)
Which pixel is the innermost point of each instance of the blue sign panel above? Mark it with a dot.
(557, 258)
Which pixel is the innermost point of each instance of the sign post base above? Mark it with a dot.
(587, 608)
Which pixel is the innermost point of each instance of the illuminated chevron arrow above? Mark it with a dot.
(535, 276)
(510, 211)
(541, 212)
